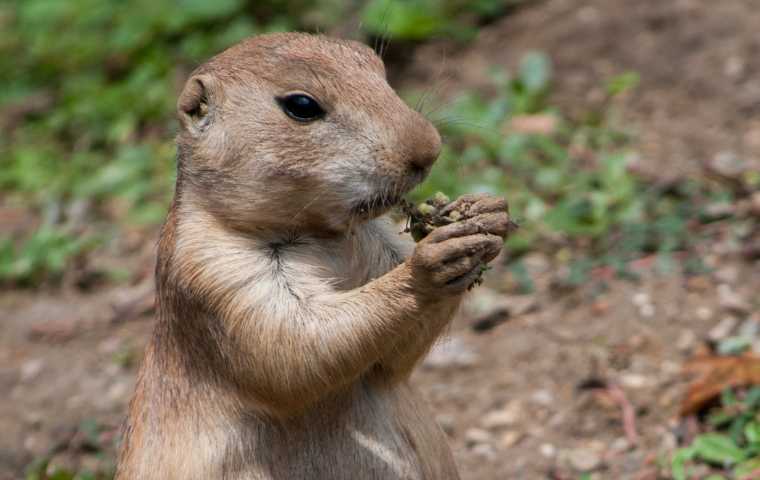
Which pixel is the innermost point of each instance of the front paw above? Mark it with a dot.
(474, 204)
(451, 265)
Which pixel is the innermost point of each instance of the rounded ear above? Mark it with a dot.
(193, 106)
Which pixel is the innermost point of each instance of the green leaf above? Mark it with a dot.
(752, 432)
(409, 20)
(734, 345)
(747, 469)
(679, 460)
(623, 83)
(752, 399)
(718, 449)
(535, 72)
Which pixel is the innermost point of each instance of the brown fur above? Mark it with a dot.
(288, 319)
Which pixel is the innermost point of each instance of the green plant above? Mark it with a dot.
(90, 436)
(41, 469)
(94, 83)
(734, 445)
(569, 182)
(417, 20)
(44, 254)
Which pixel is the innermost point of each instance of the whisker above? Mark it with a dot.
(438, 84)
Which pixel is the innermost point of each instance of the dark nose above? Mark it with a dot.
(426, 144)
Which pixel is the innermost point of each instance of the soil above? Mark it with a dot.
(530, 386)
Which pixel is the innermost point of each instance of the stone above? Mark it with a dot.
(31, 369)
(734, 67)
(504, 417)
(731, 301)
(584, 460)
(727, 164)
(547, 450)
(484, 450)
(474, 436)
(719, 210)
(620, 444)
(727, 274)
(704, 313)
(647, 311)
(488, 308)
(509, 438)
(634, 380)
(452, 353)
(118, 392)
(723, 329)
(750, 327)
(686, 340)
(641, 298)
(542, 397)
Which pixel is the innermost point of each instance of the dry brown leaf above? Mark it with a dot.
(713, 374)
(537, 124)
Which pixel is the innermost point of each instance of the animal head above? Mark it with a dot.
(293, 131)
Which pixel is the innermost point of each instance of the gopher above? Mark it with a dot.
(290, 310)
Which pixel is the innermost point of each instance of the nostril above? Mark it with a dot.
(424, 161)
(417, 170)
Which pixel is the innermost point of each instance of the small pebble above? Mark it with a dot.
(474, 436)
(670, 368)
(728, 164)
(584, 460)
(647, 311)
(509, 438)
(453, 353)
(686, 340)
(734, 66)
(620, 444)
(547, 450)
(723, 329)
(504, 417)
(731, 301)
(484, 450)
(31, 369)
(634, 380)
(704, 313)
(542, 397)
(639, 299)
(727, 274)
(750, 327)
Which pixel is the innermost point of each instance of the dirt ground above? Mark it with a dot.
(540, 386)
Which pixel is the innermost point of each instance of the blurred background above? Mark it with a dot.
(616, 339)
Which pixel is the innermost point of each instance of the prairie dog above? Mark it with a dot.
(290, 311)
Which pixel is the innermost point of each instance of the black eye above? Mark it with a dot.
(301, 107)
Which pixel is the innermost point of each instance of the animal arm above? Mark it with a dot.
(412, 347)
(407, 350)
(297, 360)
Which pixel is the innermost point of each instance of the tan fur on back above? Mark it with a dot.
(289, 313)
